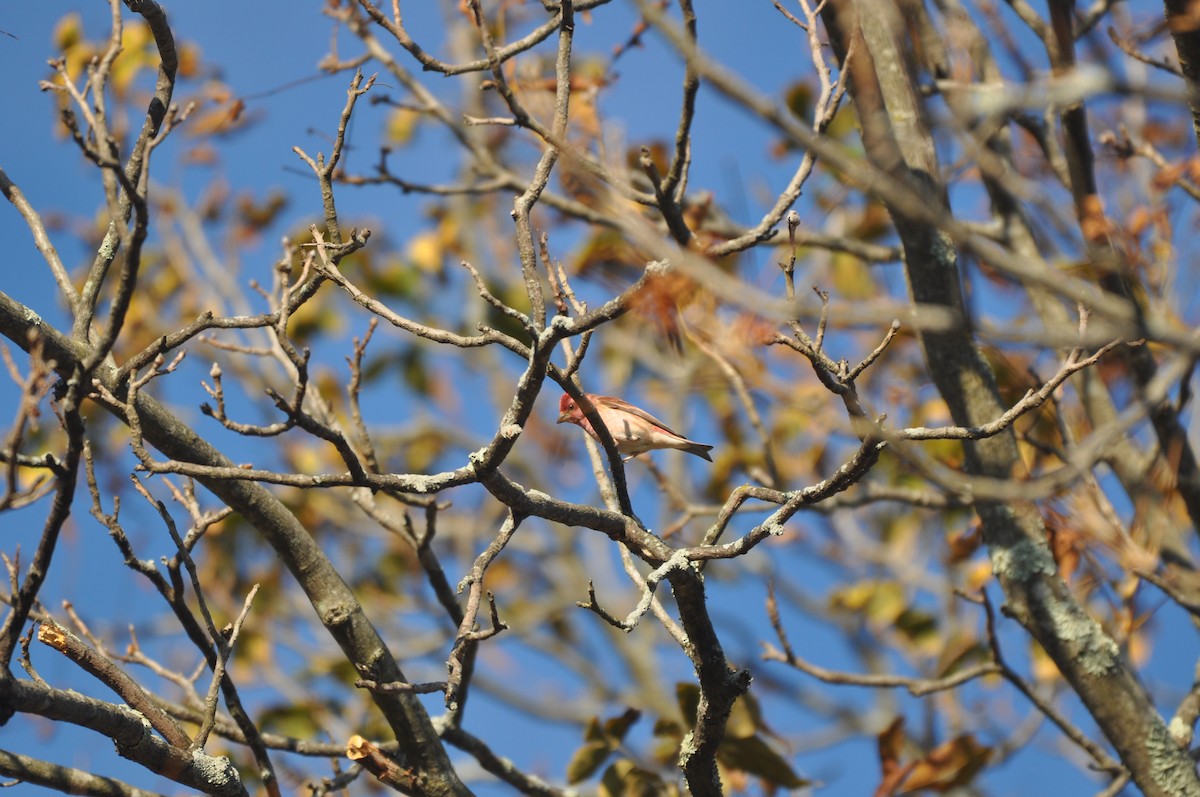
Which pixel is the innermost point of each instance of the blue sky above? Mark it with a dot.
(267, 51)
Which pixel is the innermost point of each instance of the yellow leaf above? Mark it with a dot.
(425, 251)
(307, 460)
(401, 125)
(137, 53)
(1041, 665)
(853, 597)
(68, 32)
(979, 574)
(852, 279)
(881, 601)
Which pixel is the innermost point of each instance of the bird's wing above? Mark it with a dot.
(612, 402)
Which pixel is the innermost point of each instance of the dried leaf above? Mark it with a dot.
(948, 766)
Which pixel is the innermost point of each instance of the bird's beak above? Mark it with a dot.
(563, 417)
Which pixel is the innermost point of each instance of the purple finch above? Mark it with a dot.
(634, 430)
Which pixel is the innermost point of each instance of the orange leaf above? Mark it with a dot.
(963, 544)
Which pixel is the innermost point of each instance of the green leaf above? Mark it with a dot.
(688, 697)
(593, 732)
(799, 99)
(920, 628)
(745, 719)
(626, 779)
(616, 728)
(668, 735)
(587, 760)
(755, 756)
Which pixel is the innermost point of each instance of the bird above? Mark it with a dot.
(634, 430)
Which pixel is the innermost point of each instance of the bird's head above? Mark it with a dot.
(568, 410)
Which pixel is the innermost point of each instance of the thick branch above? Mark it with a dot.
(900, 143)
(332, 599)
(130, 732)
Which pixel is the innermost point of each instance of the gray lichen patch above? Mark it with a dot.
(1095, 651)
(1021, 561)
(1170, 766)
(216, 771)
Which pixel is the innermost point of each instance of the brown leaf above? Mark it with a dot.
(948, 766)
(1095, 225)
(1166, 178)
(222, 119)
(890, 744)
(1066, 542)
